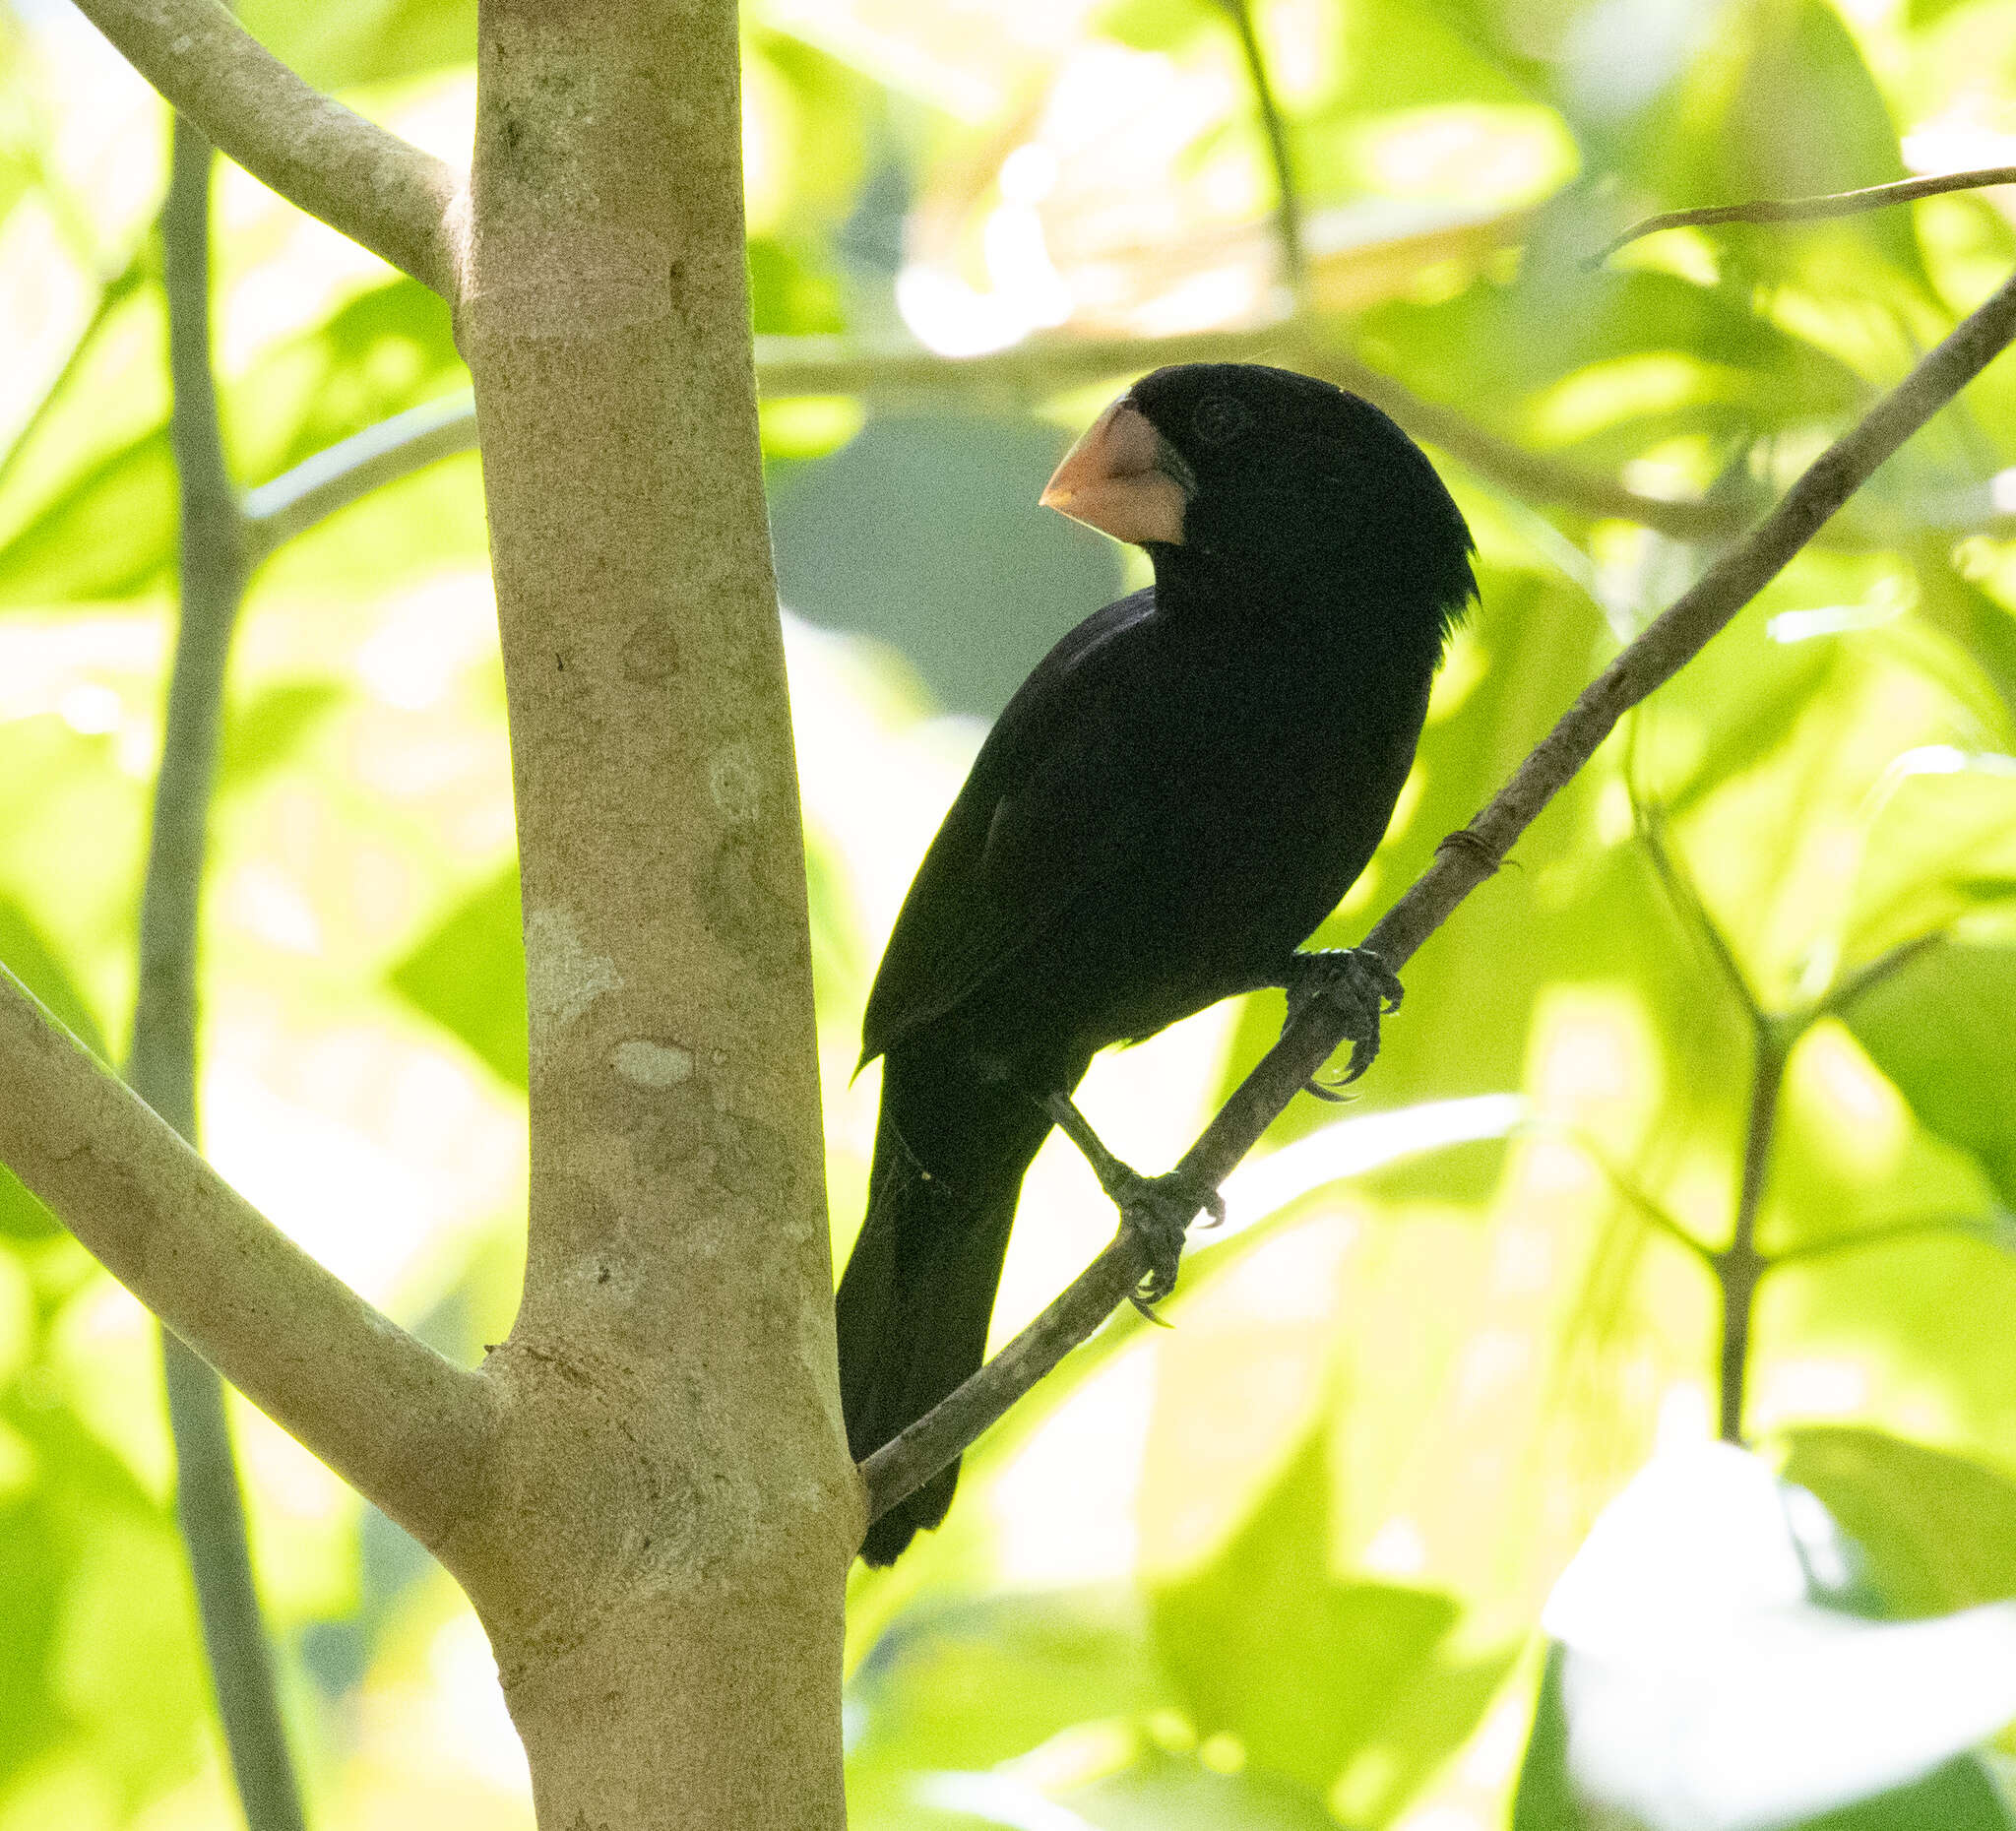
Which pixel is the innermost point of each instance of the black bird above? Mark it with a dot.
(1174, 800)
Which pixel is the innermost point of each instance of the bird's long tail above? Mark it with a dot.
(913, 1306)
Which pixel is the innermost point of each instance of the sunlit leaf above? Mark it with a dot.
(1939, 1530)
(28, 957)
(469, 976)
(1271, 1649)
(1940, 1028)
(263, 735)
(376, 41)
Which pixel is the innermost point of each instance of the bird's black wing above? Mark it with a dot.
(1022, 846)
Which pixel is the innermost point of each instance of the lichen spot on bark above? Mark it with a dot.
(644, 1063)
(562, 977)
(735, 785)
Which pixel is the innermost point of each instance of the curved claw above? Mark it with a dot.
(1358, 980)
(1158, 1211)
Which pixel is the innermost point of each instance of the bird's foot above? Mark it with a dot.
(1156, 1210)
(1360, 983)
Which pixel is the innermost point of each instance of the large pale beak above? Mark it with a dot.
(1112, 479)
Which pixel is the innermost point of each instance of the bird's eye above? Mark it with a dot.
(1219, 419)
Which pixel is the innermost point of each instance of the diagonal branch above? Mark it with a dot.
(403, 1425)
(1461, 862)
(402, 204)
(1809, 209)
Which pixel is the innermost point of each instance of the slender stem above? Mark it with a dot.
(1686, 900)
(319, 486)
(1288, 210)
(1996, 1230)
(1466, 859)
(162, 1066)
(210, 1513)
(789, 367)
(1739, 1266)
(1809, 209)
(1623, 1182)
(111, 296)
(1865, 980)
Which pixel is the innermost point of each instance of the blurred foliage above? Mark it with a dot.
(1282, 1565)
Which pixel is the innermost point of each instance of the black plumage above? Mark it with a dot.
(1175, 799)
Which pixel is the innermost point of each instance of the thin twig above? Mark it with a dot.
(111, 296)
(1997, 1230)
(1809, 209)
(1465, 861)
(162, 1064)
(1623, 1182)
(1288, 210)
(1686, 901)
(1865, 980)
(319, 486)
(1738, 1266)
(789, 367)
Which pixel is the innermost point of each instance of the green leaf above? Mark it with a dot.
(1941, 1030)
(369, 41)
(107, 527)
(969, 1684)
(1267, 1646)
(1956, 605)
(110, 531)
(29, 957)
(469, 976)
(268, 729)
(790, 294)
(1163, 1791)
(1939, 1530)
(1544, 1800)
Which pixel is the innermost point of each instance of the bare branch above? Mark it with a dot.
(319, 486)
(787, 367)
(1865, 980)
(162, 1070)
(1809, 209)
(1287, 212)
(1467, 857)
(1686, 901)
(1043, 366)
(403, 1425)
(379, 190)
(1997, 1230)
(906, 1462)
(1738, 1266)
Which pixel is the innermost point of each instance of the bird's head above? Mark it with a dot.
(1266, 469)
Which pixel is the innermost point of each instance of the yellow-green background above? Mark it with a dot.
(1280, 1565)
